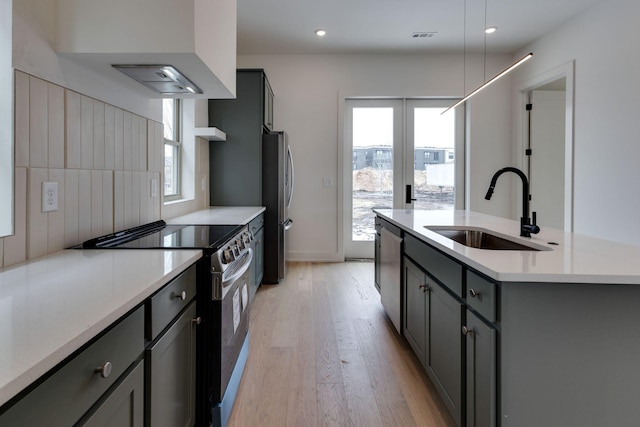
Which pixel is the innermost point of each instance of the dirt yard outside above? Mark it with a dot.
(372, 189)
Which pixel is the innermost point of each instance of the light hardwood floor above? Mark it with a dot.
(323, 353)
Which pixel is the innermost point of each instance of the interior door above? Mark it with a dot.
(547, 161)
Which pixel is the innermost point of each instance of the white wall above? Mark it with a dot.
(6, 121)
(103, 155)
(309, 99)
(603, 42)
(34, 32)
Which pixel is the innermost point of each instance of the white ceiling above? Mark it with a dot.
(384, 26)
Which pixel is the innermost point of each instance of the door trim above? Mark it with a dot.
(565, 71)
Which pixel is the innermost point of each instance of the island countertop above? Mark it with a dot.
(52, 306)
(571, 258)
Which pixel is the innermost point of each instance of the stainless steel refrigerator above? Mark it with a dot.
(277, 192)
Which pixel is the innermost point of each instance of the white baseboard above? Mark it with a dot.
(314, 257)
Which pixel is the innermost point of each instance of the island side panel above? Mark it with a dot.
(570, 355)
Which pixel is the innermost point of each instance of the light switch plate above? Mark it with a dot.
(49, 196)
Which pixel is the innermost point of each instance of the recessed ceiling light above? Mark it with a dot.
(490, 30)
(321, 33)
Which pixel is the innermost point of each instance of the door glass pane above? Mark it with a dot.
(372, 168)
(433, 159)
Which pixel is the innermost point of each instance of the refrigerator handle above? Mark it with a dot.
(291, 176)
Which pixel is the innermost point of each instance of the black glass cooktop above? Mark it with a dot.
(158, 235)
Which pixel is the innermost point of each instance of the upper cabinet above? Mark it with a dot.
(197, 37)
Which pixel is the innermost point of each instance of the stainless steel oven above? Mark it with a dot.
(222, 303)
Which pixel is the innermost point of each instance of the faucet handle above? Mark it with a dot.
(534, 227)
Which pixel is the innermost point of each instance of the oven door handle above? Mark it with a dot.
(239, 267)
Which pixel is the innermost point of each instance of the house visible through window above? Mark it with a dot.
(171, 118)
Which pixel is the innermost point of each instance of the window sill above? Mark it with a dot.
(178, 201)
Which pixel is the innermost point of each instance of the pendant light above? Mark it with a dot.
(494, 78)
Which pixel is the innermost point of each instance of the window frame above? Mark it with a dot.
(176, 145)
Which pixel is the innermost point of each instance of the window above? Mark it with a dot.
(171, 113)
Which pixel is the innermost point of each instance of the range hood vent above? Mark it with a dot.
(162, 79)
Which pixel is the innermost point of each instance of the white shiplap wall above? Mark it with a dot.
(102, 157)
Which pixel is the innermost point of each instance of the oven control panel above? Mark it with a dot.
(234, 248)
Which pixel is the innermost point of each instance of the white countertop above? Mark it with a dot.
(220, 215)
(575, 259)
(51, 306)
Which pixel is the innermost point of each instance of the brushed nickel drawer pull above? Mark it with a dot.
(466, 331)
(474, 293)
(181, 296)
(104, 370)
(197, 320)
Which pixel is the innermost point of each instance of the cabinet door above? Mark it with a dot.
(481, 372)
(416, 325)
(444, 358)
(172, 362)
(268, 105)
(259, 254)
(376, 256)
(124, 406)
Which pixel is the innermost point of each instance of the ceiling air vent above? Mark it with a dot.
(162, 79)
(423, 35)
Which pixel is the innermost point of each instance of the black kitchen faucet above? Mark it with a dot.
(526, 227)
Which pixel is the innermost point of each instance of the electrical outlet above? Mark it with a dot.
(327, 182)
(49, 196)
(154, 187)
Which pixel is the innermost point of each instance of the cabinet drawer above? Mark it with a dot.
(435, 263)
(66, 395)
(256, 224)
(170, 300)
(481, 295)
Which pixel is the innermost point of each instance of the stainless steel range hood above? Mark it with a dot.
(162, 79)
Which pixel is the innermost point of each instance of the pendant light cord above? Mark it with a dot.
(484, 75)
(464, 51)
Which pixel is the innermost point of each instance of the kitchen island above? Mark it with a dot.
(521, 337)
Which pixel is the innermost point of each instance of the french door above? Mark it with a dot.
(404, 155)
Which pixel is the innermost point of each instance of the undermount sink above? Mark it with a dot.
(483, 239)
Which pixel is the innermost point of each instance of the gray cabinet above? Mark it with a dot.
(434, 310)
(416, 304)
(171, 365)
(481, 372)
(171, 356)
(256, 227)
(376, 258)
(444, 364)
(74, 388)
(268, 105)
(108, 383)
(124, 406)
(236, 164)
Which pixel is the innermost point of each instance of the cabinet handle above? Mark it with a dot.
(474, 293)
(424, 288)
(181, 296)
(104, 370)
(197, 320)
(468, 331)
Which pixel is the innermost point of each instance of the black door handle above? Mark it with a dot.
(408, 198)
